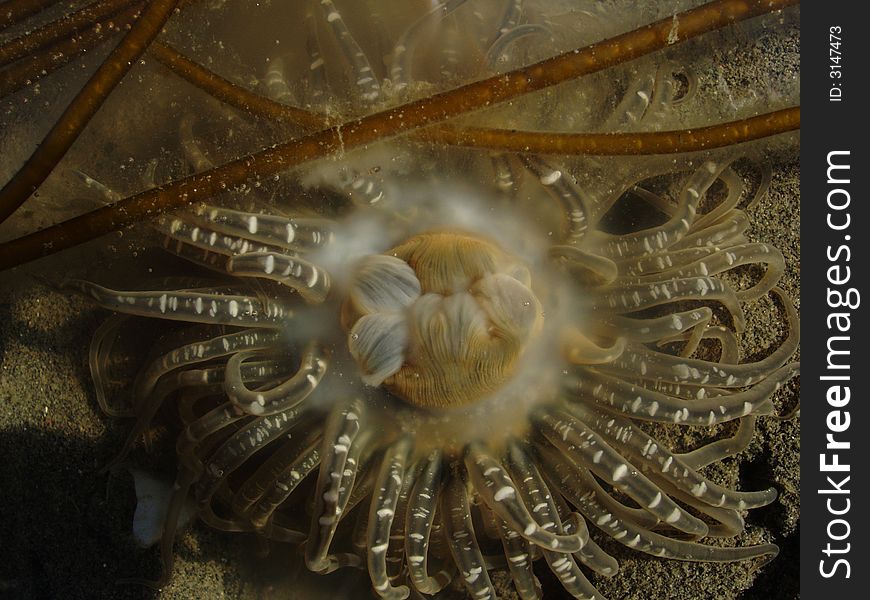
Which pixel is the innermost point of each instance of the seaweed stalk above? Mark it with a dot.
(534, 142)
(51, 58)
(62, 28)
(611, 144)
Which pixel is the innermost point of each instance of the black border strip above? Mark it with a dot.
(834, 259)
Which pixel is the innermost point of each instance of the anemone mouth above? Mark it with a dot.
(441, 319)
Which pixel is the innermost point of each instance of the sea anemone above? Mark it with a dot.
(428, 362)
